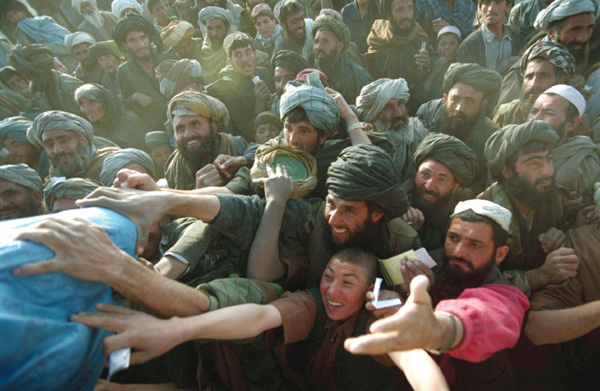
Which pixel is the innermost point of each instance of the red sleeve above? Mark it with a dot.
(492, 316)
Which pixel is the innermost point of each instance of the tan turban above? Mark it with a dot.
(198, 103)
(176, 31)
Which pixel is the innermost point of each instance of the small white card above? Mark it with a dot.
(383, 303)
(425, 258)
(255, 79)
(117, 361)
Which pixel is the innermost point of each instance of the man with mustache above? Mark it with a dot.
(198, 121)
(382, 103)
(242, 81)
(98, 24)
(461, 112)
(495, 44)
(543, 65)
(331, 39)
(20, 192)
(445, 167)
(297, 30)
(216, 25)
(520, 160)
(70, 144)
(136, 76)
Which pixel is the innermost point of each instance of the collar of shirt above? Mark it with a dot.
(489, 36)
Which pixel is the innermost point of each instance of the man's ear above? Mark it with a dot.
(376, 216)
(572, 125)
(83, 141)
(483, 104)
(507, 172)
(229, 60)
(501, 253)
(37, 197)
(444, 97)
(324, 138)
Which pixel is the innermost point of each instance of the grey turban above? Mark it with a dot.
(475, 75)
(121, 158)
(15, 128)
(21, 174)
(72, 188)
(321, 109)
(452, 153)
(211, 12)
(75, 39)
(507, 141)
(365, 172)
(61, 120)
(560, 9)
(374, 96)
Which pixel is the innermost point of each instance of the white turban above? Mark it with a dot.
(560, 9)
(77, 4)
(374, 96)
(75, 39)
(118, 6)
(571, 94)
(497, 213)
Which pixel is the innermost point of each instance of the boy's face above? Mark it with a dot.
(243, 60)
(160, 11)
(265, 132)
(343, 289)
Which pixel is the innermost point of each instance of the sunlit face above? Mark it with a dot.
(433, 182)
(347, 219)
(216, 29)
(343, 289)
(393, 113)
(294, 26)
(552, 109)
(243, 60)
(448, 46)
(92, 109)
(17, 201)
(109, 63)
(402, 13)
(265, 132)
(493, 11)
(576, 32)
(327, 46)
(62, 146)
(538, 77)
(264, 25)
(138, 44)
(302, 135)
(282, 77)
(470, 246)
(19, 152)
(14, 16)
(464, 103)
(191, 131)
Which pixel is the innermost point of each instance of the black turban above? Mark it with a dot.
(476, 76)
(452, 153)
(366, 172)
(290, 60)
(133, 22)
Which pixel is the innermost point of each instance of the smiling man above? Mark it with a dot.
(297, 31)
(20, 192)
(520, 160)
(69, 142)
(136, 77)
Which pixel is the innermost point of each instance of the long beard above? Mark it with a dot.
(202, 155)
(527, 194)
(327, 64)
(450, 125)
(75, 169)
(94, 18)
(451, 281)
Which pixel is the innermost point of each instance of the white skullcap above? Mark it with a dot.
(571, 94)
(450, 29)
(499, 214)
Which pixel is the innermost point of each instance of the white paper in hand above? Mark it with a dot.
(425, 258)
(117, 361)
(383, 303)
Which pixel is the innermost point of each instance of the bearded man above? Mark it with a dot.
(382, 103)
(216, 24)
(20, 192)
(70, 144)
(13, 137)
(98, 24)
(461, 112)
(88, 70)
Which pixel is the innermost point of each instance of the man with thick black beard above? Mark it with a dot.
(445, 167)
(520, 160)
(20, 191)
(198, 121)
(461, 112)
(70, 144)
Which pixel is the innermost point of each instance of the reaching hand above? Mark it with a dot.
(229, 165)
(278, 185)
(414, 217)
(208, 176)
(552, 240)
(131, 179)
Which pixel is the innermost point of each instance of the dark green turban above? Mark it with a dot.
(34, 57)
(290, 60)
(365, 172)
(336, 26)
(73, 189)
(506, 142)
(452, 153)
(476, 76)
(15, 128)
(134, 22)
(105, 47)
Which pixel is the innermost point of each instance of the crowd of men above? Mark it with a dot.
(272, 153)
